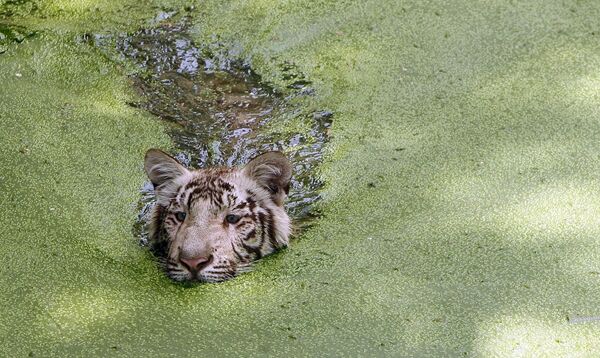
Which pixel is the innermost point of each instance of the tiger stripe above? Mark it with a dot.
(209, 248)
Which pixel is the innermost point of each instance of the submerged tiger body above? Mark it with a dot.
(211, 224)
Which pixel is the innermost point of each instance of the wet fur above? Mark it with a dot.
(254, 193)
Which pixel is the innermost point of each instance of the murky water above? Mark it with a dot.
(220, 113)
(11, 34)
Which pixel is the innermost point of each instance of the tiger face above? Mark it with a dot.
(213, 223)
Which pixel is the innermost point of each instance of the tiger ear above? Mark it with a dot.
(272, 171)
(162, 168)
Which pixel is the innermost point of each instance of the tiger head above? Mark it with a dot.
(212, 223)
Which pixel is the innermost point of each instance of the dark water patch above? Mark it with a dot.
(219, 111)
(13, 34)
(10, 8)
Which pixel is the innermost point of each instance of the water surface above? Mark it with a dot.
(219, 112)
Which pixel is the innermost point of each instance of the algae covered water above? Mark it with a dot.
(219, 112)
(462, 179)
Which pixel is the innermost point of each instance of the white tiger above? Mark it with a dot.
(210, 224)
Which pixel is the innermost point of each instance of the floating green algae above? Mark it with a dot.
(459, 215)
(217, 111)
(12, 35)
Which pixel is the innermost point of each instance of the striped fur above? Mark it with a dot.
(254, 194)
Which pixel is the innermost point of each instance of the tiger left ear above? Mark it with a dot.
(162, 170)
(272, 171)
(161, 167)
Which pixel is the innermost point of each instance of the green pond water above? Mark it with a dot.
(217, 111)
(460, 209)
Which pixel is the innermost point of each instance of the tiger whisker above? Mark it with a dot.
(215, 272)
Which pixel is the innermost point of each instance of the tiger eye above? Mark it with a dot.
(180, 215)
(232, 219)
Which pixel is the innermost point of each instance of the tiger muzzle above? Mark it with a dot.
(195, 264)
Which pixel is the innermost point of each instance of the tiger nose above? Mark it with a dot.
(195, 263)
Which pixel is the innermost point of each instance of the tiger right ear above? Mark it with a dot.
(162, 168)
(272, 171)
